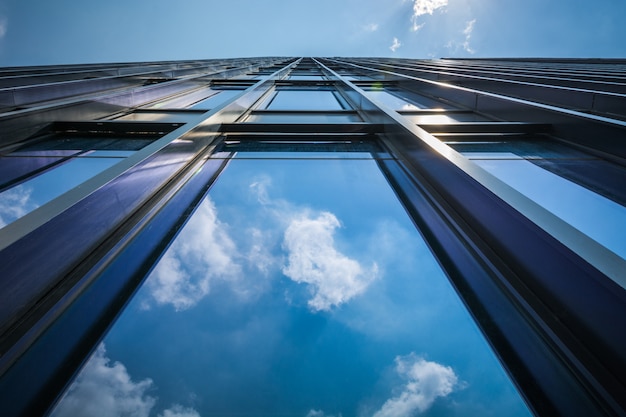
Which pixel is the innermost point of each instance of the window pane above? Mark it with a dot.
(444, 118)
(304, 100)
(297, 288)
(405, 100)
(20, 200)
(160, 116)
(303, 118)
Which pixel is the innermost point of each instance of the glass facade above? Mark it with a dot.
(315, 237)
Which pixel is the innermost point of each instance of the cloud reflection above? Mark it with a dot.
(201, 254)
(333, 278)
(15, 203)
(105, 389)
(425, 382)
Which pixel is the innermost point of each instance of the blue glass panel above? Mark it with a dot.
(304, 100)
(14, 168)
(594, 215)
(303, 118)
(297, 288)
(215, 100)
(20, 200)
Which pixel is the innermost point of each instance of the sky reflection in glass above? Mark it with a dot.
(596, 216)
(303, 100)
(21, 199)
(297, 288)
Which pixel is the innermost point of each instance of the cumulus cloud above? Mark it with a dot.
(425, 382)
(104, 388)
(333, 278)
(395, 45)
(422, 7)
(201, 254)
(15, 203)
(179, 411)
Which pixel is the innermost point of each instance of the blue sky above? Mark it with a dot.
(70, 31)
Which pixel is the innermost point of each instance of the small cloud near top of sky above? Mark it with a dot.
(395, 45)
(422, 7)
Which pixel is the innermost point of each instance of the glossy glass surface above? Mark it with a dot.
(403, 100)
(182, 101)
(215, 100)
(160, 116)
(306, 77)
(303, 100)
(21, 199)
(85, 157)
(444, 118)
(297, 288)
(594, 215)
(303, 118)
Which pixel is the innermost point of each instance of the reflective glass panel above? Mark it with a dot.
(306, 77)
(404, 100)
(182, 101)
(304, 100)
(296, 288)
(594, 215)
(160, 116)
(21, 199)
(444, 118)
(303, 118)
(216, 100)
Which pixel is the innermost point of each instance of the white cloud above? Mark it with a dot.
(179, 411)
(105, 389)
(15, 203)
(395, 45)
(372, 27)
(333, 278)
(201, 254)
(425, 382)
(469, 28)
(422, 7)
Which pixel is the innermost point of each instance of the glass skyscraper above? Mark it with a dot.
(313, 237)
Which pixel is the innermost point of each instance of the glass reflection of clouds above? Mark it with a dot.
(21, 199)
(300, 288)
